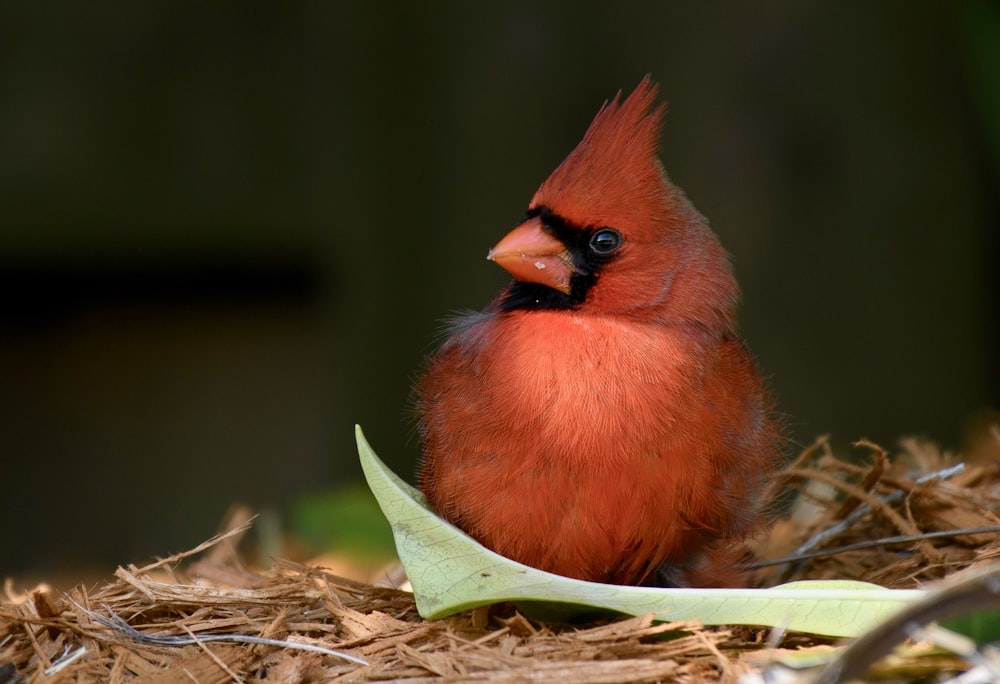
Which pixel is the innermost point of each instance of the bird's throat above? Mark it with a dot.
(520, 296)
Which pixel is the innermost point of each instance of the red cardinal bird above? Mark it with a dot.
(601, 419)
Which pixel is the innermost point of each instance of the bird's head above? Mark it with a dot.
(608, 233)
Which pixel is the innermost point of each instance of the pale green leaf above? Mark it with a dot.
(451, 572)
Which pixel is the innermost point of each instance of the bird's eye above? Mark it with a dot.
(605, 241)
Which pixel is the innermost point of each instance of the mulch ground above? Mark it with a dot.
(205, 616)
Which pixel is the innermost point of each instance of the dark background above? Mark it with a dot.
(228, 230)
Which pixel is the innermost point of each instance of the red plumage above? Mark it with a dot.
(601, 418)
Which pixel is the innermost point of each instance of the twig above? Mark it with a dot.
(46, 663)
(241, 529)
(117, 624)
(65, 660)
(885, 541)
(781, 479)
(725, 664)
(870, 479)
(218, 661)
(862, 510)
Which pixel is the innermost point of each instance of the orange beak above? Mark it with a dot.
(531, 255)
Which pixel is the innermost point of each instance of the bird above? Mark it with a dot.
(601, 418)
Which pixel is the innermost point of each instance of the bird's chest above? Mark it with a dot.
(590, 386)
(561, 440)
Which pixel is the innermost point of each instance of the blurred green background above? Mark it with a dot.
(228, 231)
